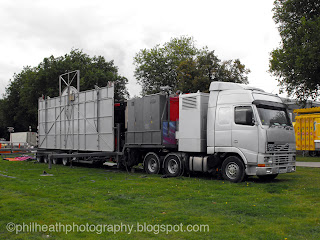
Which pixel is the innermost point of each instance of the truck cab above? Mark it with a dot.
(251, 130)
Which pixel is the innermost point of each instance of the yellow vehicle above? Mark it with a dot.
(307, 130)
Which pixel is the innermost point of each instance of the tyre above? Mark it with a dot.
(65, 161)
(313, 153)
(233, 169)
(151, 163)
(46, 159)
(267, 177)
(172, 166)
(55, 160)
(39, 159)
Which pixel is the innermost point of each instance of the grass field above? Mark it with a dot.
(308, 159)
(286, 208)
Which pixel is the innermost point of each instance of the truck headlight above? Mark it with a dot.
(268, 161)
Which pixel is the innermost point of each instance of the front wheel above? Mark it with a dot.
(233, 169)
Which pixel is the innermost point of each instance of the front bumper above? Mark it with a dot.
(275, 170)
(273, 164)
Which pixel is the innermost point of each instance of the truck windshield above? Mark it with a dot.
(273, 116)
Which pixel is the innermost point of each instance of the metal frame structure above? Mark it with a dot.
(68, 81)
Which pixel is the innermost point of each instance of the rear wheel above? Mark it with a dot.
(233, 169)
(152, 163)
(172, 166)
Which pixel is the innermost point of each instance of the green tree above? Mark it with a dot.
(197, 74)
(182, 66)
(296, 63)
(158, 66)
(19, 107)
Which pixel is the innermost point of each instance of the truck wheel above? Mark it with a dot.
(46, 159)
(172, 166)
(65, 161)
(233, 169)
(56, 160)
(312, 153)
(151, 163)
(267, 177)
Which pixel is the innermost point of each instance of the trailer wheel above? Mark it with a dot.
(172, 166)
(233, 169)
(56, 160)
(65, 161)
(313, 153)
(151, 163)
(39, 159)
(267, 177)
(46, 159)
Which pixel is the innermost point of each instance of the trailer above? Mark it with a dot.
(235, 130)
(307, 130)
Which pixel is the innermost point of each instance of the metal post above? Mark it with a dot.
(50, 160)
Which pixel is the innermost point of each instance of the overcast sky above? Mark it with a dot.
(34, 29)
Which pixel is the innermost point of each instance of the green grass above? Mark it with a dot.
(286, 208)
(308, 159)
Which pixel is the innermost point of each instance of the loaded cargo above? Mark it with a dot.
(235, 130)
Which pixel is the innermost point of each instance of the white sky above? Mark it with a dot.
(31, 30)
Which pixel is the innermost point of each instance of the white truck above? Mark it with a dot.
(235, 130)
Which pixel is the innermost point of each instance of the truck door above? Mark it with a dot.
(245, 132)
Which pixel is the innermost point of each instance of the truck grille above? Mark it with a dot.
(271, 147)
(281, 160)
(281, 148)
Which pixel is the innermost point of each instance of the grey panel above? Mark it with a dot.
(131, 114)
(138, 125)
(85, 124)
(144, 119)
(147, 115)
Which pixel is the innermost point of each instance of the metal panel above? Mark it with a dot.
(85, 124)
(131, 111)
(192, 122)
(144, 119)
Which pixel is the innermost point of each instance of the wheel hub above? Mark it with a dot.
(152, 165)
(172, 166)
(232, 170)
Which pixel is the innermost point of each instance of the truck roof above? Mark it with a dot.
(221, 86)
